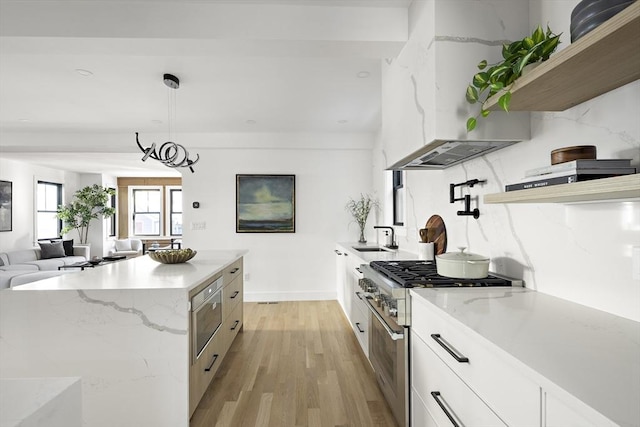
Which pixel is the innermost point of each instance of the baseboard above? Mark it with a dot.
(289, 296)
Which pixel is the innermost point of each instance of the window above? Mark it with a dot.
(175, 210)
(111, 221)
(156, 210)
(147, 211)
(398, 198)
(49, 197)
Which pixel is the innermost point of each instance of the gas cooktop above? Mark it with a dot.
(423, 274)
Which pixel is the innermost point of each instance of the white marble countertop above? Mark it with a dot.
(387, 255)
(31, 401)
(591, 354)
(142, 273)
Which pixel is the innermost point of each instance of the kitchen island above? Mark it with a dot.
(123, 328)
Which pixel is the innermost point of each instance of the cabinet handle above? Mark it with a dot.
(358, 270)
(235, 294)
(235, 325)
(208, 368)
(235, 270)
(436, 396)
(337, 252)
(359, 328)
(437, 338)
(359, 295)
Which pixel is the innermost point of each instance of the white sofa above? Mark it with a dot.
(127, 247)
(26, 265)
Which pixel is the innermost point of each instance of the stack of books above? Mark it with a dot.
(573, 171)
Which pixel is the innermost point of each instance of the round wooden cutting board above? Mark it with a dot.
(437, 233)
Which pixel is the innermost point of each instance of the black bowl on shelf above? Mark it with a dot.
(589, 14)
(95, 261)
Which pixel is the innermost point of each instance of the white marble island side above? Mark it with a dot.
(123, 328)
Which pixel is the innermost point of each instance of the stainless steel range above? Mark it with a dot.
(385, 290)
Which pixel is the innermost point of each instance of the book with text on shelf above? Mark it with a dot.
(556, 180)
(580, 165)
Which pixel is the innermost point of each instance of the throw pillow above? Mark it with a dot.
(51, 250)
(1, 262)
(123, 245)
(68, 247)
(67, 244)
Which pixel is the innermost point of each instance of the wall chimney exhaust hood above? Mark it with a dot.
(443, 153)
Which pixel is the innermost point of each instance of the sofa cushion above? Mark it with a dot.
(51, 250)
(7, 276)
(33, 277)
(47, 264)
(123, 245)
(19, 267)
(22, 256)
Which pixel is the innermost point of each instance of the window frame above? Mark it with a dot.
(169, 190)
(59, 189)
(112, 220)
(132, 205)
(397, 185)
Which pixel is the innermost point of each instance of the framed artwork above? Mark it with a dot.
(5, 205)
(265, 203)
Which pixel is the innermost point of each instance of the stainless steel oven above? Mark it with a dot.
(206, 316)
(388, 353)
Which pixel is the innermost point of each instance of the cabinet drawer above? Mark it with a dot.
(233, 271)
(488, 371)
(360, 323)
(420, 417)
(231, 297)
(204, 369)
(232, 325)
(443, 393)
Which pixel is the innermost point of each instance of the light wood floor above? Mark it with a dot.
(294, 364)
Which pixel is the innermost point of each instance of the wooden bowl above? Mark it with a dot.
(567, 154)
(172, 256)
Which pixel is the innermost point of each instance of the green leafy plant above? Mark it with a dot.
(494, 79)
(360, 209)
(88, 203)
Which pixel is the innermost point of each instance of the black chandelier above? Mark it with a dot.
(170, 153)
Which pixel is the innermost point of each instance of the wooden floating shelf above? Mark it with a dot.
(615, 188)
(604, 59)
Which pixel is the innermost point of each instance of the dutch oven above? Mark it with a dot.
(462, 265)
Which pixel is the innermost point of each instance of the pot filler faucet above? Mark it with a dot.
(394, 244)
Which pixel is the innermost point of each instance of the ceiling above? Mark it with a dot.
(72, 72)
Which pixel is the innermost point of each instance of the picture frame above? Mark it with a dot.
(6, 209)
(265, 203)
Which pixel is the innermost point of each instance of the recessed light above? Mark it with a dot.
(250, 122)
(363, 74)
(84, 72)
(156, 121)
(343, 121)
(23, 120)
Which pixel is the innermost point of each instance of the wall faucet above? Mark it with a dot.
(394, 244)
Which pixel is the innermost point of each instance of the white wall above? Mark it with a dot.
(280, 266)
(580, 252)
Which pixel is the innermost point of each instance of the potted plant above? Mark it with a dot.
(360, 209)
(89, 203)
(498, 78)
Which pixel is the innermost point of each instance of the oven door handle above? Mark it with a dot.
(395, 335)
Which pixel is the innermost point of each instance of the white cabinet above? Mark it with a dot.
(340, 275)
(360, 314)
(531, 358)
(445, 395)
(513, 396)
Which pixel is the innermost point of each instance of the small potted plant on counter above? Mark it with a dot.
(494, 79)
(360, 209)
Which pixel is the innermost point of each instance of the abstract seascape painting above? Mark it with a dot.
(265, 203)
(6, 210)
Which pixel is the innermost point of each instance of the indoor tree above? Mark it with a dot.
(91, 202)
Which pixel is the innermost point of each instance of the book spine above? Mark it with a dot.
(542, 183)
(578, 165)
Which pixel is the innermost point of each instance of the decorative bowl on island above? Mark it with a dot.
(172, 256)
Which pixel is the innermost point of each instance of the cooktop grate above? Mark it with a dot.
(410, 274)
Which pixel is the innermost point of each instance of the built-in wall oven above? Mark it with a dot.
(385, 287)
(206, 317)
